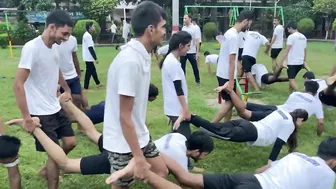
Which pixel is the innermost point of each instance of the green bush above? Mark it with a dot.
(209, 30)
(3, 40)
(306, 25)
(80, 29)
(22, 32)
(334, 25)
(3, 27)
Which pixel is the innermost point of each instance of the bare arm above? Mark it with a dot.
(127, 125)
(333, 71)
(184, 178)
(320, 127)
(20, 79)
(285, 55)
(273, 39)
(305, 63)
(232, 68)
(160, 183)
(14, 177)
(63, 83)
(197, 41)
(268, 46)
(76, 62)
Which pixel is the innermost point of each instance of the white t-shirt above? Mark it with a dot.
(86, 43)
(174, 146)
(191, 29)
(229, 46)
(299, 100)
(42, 82)
(126, 30)
(241, 42)
(296, 53)
(163, 50)
(279, 33)
(198, 32)
(113, 28)
(66, 48)
(279, 124)
(128, 76)
(298, 171)
(211, 58)
(322, 85)
(172, 71)
(253, 40)
(259, 70)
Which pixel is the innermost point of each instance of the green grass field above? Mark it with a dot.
(227, 157)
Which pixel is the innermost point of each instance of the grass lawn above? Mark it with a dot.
(227, 157)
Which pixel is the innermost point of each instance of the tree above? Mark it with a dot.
(41, 5)
(328, 7)
(298, 11)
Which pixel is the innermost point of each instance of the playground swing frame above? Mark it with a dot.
(278, 10)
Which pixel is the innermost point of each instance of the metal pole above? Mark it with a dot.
(175, 16)
(275, 8)
(9, 37)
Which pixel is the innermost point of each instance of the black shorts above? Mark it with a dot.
(234, 181)
(248, 62)
(240, 52)
(265, 80)
(75, 86)
(328, 99)
(293, 70)
(95, 164)
(55, 126)
(275, 53)
(224, 94)
(96, 113)
(259, 111)
(184, 128)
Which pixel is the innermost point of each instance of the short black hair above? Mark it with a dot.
(311, 86)
(206, 53)
(292, 24)
(327, 149)
(245, 15)
(276, 18)
(189, 15)
(257, 27)
(193, 19)
(88, 25)
(60, 18)
(201, 141)
(153, 91)
(145, 14)
(9, 146)
(309, 75)
(117, 47)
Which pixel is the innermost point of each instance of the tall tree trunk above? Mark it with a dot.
(213, 17)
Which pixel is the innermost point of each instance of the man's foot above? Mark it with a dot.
(43, 173)
(197, 170)
(331, 80)
(100, 85)
(88, 90)
(126, 172)
(198, 84)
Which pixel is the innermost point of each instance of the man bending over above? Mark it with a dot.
(263, 77)
(294, 171)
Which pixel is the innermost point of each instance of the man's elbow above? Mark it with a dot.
(17, 85)
(125, 118)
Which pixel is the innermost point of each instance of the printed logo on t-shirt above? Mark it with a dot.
(254, 35)
(304, 98)
(310, 160)
(283, 115)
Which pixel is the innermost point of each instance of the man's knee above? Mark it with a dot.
(69, 143)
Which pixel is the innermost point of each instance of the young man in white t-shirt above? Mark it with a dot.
(36, 84)
(227, 61)
(70, 69)
(326, 92)
(253, 41)
(295, 54)
(277, 42)
(294, 171)
(89, 56)
(263, 77)
(125, 132)
(193, 53)
(113, 30)
(210, 59)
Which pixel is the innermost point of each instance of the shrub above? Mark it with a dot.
(334, 25)
(306, 25)
(209, 30)
(3, 40)
(80, 29)
(23, 32)
(3, 27)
